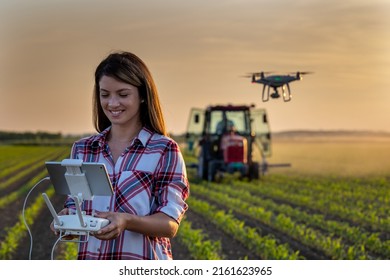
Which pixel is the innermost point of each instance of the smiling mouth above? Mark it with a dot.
(116, 113)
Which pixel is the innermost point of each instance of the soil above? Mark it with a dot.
(231, 248)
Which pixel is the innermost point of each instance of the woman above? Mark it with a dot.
(146, 167)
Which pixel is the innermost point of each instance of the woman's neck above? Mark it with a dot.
(119, 134)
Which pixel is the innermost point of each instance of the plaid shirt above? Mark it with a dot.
(149, 177)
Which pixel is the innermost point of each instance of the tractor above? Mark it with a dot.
(229, 139)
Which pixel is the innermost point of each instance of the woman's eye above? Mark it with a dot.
(124, 93)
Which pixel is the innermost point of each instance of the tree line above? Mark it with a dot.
(7, 136)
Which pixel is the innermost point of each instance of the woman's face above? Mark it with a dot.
(120, 102)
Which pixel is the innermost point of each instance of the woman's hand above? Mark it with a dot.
(156, 225)
(116, 226)
(64, 211)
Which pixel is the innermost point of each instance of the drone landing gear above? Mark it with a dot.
(287, 97)
(265, 97)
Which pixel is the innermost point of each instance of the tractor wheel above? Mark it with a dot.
(212, 171)
(202, 166)
(254, 172)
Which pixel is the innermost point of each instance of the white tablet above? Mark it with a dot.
(95, 173)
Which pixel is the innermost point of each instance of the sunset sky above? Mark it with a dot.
(197, 51)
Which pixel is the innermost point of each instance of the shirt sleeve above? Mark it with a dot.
(172, 186)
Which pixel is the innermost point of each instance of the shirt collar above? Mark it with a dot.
(144, 135)
(101, 138)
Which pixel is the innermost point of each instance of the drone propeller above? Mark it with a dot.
(306, 72)
(253, 75)
(299, 74)
(261, 73)
(302, 73)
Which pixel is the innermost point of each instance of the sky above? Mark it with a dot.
(198, 52)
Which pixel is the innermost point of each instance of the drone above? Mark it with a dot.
(275, 82)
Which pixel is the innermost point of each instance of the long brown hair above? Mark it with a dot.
(129, 68)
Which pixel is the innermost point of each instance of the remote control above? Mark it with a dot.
(71, 224)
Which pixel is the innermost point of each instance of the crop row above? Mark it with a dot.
(247, 205)
(24, 169)
(198, 244)
(26, 173)
(351, 234)
(15, 158)
(18, 231)
(360, 202)
(266, 247)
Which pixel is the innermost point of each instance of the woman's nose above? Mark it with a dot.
(113, 101)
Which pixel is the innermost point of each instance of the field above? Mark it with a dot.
(332, 203)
